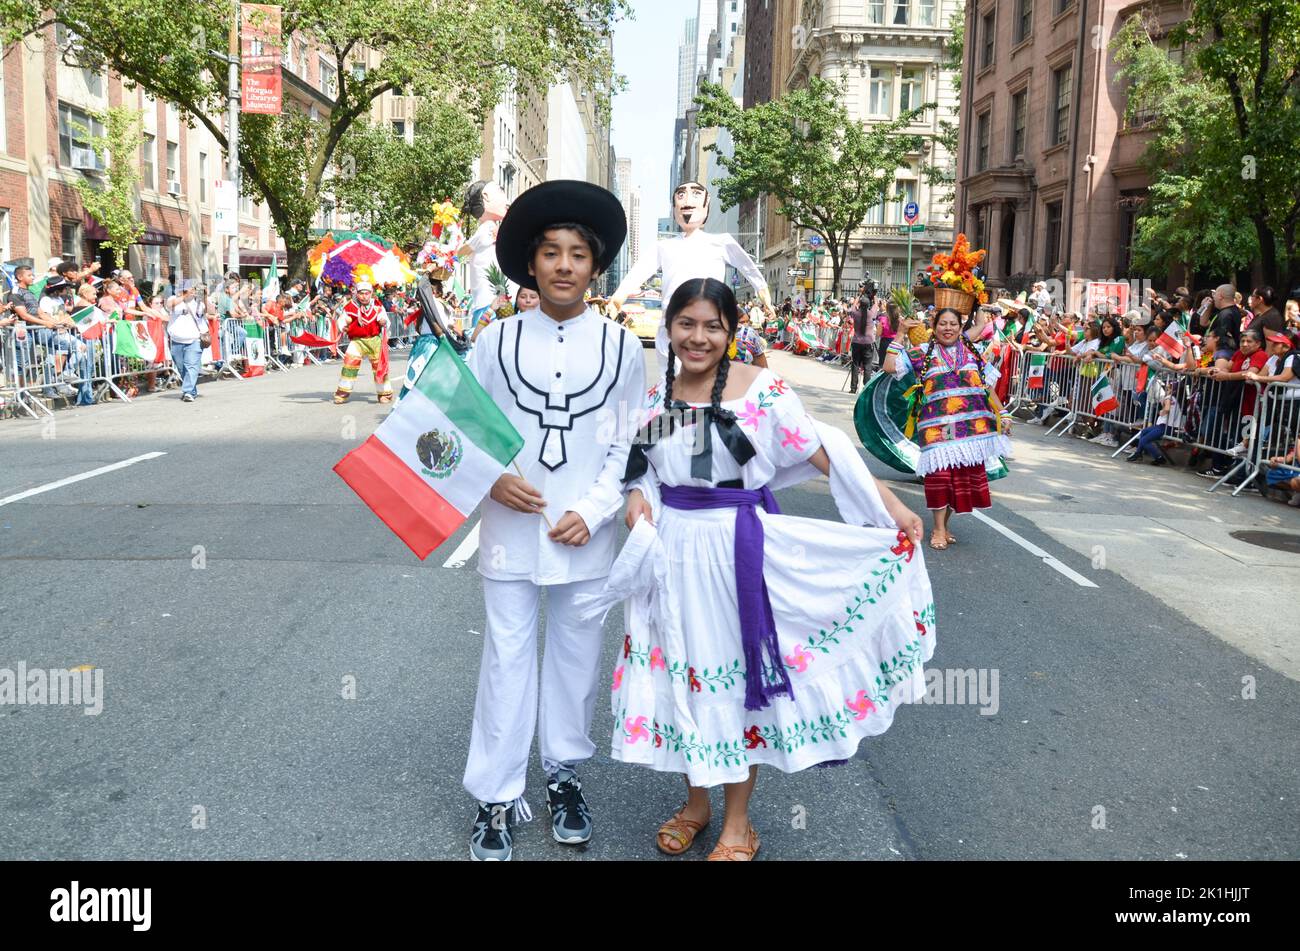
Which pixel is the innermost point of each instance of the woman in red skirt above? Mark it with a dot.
(959, 425)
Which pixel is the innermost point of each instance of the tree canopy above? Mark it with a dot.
(825, 170)
(448, 50)
(1225, 118)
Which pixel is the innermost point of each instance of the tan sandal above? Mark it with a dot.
(680, 830)
(938, 544)
(340, 397)
(737, 853)
(385, 397)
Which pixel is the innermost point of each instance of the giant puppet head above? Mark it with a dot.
(486, 201)
(690, 206)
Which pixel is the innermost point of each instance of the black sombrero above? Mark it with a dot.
(551, 203)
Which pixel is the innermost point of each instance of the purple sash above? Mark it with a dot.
(765, 674)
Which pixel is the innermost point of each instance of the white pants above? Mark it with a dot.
(506, 710)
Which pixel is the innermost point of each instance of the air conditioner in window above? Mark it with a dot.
(173, 188)
(85, 159)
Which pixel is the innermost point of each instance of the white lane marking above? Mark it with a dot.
(1036, 551)
(465, 550)
(51, 486)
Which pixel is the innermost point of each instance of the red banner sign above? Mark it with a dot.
(259, 48)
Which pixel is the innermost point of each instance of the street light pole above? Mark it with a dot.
(232, 153)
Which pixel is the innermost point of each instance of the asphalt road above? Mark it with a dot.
(230, 588)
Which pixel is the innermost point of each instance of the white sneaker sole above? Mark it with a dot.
(571, 840)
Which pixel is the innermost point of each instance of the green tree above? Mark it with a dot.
(1224, 123)
(825, 170)
(450, 50)
(390, 185)
(110, 198)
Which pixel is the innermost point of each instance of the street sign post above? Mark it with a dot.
(910, 212)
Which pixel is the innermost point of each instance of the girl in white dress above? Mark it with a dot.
(837, 620)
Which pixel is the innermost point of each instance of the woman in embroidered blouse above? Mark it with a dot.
(779, 640)
(960, 426)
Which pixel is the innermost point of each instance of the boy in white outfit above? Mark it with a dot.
(566, 377)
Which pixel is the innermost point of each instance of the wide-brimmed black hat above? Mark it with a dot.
(552, 203)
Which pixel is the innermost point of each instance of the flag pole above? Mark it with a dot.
(515, 463)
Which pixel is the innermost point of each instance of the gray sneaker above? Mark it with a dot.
(570, 816)
(491, 839)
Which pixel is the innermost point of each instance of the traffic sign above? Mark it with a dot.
(806, 257)
(911, 211)
(815, 241)
(910, 229)
(796, 272)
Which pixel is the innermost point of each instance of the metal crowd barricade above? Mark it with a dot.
(117, 368)
(232, 343)
(38, 361)
(1278, 417)
(1214, 423)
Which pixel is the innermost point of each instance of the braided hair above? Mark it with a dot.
(721, 297)
(934, 339)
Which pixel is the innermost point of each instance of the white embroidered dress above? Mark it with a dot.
(853, 609)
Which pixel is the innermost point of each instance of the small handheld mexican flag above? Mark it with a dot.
(1103, 396)
(1037, 370)
(139, 339)
(1171, 342)
(91, 322)
(430, 463)
(255, 349)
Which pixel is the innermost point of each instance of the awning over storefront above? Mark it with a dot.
(151, 236)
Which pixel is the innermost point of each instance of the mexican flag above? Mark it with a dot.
(212, 354)
(255, 349)
(272, 289)
(139, 340)
(91, 322)
(1171, 342)
(1142, 378)
(1103, 397)
(1037, 370)
(430, 463)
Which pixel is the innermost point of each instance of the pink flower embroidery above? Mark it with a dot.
(657, 659)
(778, 387)
(861, 705)
(795, 440)
(635, 729)
(799, 659)
(618, 678)
(751, 415)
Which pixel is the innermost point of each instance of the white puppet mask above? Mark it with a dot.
(690, 206)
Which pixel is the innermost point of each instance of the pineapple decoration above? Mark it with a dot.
(905, 301)
(501, 288)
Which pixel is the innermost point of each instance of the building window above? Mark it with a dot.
(906, 192)
(3, 119)
(1052, 257)
(982, 127)
(173, 163)
(986, 31)
(876, 12)
(925, 12)
(1024, 19)
(152, 263)
(1061, 104)
(881, 90)
(4, 234)
(876, 215)
(900, 12)
(327, 215)
(1019, 114)
(174, 259)
(399, 128)
(329, 79)
(203, 178)
(204, 251)
(909, 89)
(1062, 5)
(148, 153)
(70, 239)
(245, 204)
(74, 143)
